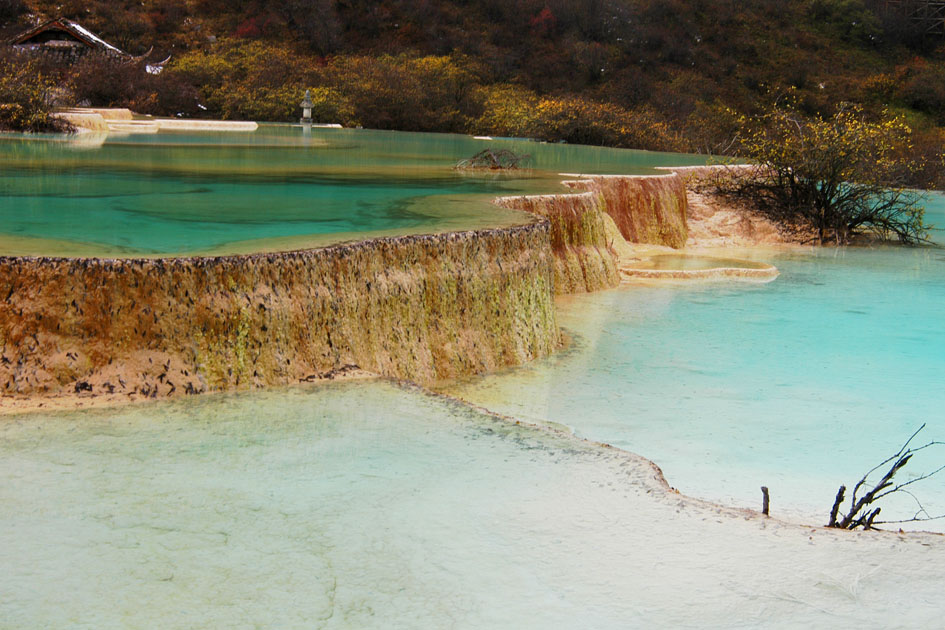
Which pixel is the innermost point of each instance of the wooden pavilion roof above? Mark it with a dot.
(72, 31)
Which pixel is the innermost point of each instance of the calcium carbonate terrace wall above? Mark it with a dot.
(583, 262)
(649, 209)
(646, 209)
(415, 307)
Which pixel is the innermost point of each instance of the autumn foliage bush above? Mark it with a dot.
(25, 96)
(841, 175)
(513, 111)
(105, 82)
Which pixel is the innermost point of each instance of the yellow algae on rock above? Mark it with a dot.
(583, 262)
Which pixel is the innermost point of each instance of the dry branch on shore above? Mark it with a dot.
(862, 512)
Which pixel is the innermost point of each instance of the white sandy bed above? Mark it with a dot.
(367, 506)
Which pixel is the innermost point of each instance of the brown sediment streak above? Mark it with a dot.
(640, 209)
(582, 260)
(421, 308)
(647, 209)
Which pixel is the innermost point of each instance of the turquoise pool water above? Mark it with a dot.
(800, 385)
(367, 506)
(277, 188)
(363, 505)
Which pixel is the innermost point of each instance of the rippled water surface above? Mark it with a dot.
(277, 188)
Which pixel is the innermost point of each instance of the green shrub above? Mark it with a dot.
(924, 90)
(850, 19)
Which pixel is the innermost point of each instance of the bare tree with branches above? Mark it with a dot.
(862, 512)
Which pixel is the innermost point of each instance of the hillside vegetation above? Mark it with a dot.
(659, 74)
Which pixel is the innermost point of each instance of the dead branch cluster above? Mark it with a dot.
(863, 511)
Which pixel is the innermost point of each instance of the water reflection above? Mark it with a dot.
(182, 193)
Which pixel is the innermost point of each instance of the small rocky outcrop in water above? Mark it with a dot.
(494, 160)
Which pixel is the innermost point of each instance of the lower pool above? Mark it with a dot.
(364, 505)
(799, 385)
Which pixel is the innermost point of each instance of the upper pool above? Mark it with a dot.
(281, 187)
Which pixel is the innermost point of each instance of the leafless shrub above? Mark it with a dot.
(863, 512)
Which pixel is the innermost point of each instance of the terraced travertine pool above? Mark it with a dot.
(364, 504)
(674, 262)
(274, 189)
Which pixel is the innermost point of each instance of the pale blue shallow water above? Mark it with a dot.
(363, 505)
(800, 384)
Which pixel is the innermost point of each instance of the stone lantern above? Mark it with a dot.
(307, 108)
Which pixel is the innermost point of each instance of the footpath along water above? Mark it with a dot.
(800, 384)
